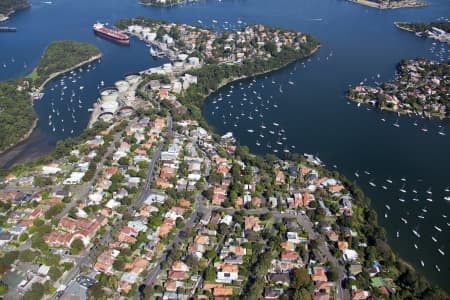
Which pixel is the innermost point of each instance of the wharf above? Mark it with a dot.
(8, 29)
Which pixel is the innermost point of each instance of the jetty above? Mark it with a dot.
(8, 29)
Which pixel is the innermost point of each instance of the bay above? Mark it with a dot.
(357, 43)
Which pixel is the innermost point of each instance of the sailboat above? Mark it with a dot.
(396, 124)
(403, 189)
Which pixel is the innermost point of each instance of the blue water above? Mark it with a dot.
(359, 42)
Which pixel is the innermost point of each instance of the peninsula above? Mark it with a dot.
(201, 53)
(419, 88)
(8, 7)
(435, 30)
(153, 204)
(18, 118)
(390, 4)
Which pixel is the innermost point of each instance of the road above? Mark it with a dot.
(88, 256)
(150, 173)
(307, 225)
(154, 273)
(82, 192)
(323, 247)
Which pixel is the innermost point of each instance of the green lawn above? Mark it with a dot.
(33, 75)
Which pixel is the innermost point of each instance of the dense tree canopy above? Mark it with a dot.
(16, 111)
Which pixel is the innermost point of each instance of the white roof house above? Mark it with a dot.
(75, 178)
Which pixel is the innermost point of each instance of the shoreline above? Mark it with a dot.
(399, 26)
(401, 112)
(365, 202)
(6, 17)
(39, 89)
(402, 4)
(164, 5)
(56, 74)
(233, 79)
(422, 34)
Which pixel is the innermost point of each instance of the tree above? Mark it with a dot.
(3, 268)
(67, 265)
(332, 273)
(76, 247)
(54, 210)
(27, 255)
(37, 292)
(96, 291)
(3, 288)
(23, 237)
(124, 161)
(179, 223)
(118, 264)
(210, 274)
(300, 278)
(54, 273)
(210, 254)
(10, 257)
(42, 181)
(301, 294)
(148, 291)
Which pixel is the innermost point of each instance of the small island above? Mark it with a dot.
(17, 118)
(165, 3)
(390, 4)
(434, 30)
(8, 7)
(421, 88)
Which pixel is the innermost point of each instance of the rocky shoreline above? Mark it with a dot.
(418, 89)
(13, 10)
(390, 5)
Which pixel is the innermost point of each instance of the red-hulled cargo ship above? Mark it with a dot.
(111, 34)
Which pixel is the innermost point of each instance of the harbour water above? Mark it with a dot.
(358, 43)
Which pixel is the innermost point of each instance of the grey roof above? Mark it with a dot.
(5, 236)
(279, 277)
(75, 291)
